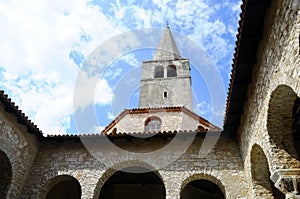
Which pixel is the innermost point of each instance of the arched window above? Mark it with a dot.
(171, 71)
(153, 124)
(158, 72)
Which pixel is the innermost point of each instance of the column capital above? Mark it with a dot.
(286, 180)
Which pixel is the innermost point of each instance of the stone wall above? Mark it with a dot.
(20, 148)
(265, 137)
(171, 121)
(93, 165)
(183, 68)
(167, 91)
(277, 72)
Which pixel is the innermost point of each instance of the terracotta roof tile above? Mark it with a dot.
(21, 117)
(76, 137)
(249, 34)
(146, 110)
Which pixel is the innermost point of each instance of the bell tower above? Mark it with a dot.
(166, 79)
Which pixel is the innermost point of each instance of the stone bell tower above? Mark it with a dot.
(166, 79)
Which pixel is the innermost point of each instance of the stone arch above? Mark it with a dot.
(48, 180)
(158, 72)
(262, 186)
(5, 174)
(171, 71)
(16, 150)
(208, 187)
(123, 166)
(63, 187)
(283, 106)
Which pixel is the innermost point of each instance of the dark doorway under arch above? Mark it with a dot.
(143, 183)
(5, 174)
(201, 189)
(66, 188)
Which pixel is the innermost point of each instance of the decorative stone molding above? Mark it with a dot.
(286, 180)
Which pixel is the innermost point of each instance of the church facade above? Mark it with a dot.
(164, 150)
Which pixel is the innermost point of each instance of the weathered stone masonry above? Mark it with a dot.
(222, 166)
(20, 149)
(277, 68)
(260, 160)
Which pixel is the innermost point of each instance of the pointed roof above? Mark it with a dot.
(167, 49)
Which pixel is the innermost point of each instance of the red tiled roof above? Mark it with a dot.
(22, 119)
(10, 107)
(159, 109)
(138, 135)
(250, 32)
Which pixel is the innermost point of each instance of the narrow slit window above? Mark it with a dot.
(165, 94)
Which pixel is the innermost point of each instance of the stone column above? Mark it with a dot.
(286, 180)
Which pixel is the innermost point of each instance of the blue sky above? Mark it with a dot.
(45, 44)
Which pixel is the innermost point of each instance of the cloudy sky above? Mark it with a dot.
(44, 45)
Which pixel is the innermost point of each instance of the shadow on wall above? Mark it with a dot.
(284, 120)
(262, 185)
(5, 174)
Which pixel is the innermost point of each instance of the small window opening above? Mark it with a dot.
(165, 94)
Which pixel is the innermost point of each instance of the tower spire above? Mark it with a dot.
(167, 49)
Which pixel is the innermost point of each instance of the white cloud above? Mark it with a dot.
(213, 113)
(110, 116)
(36, 39)
(97, 129)
(91, 90)
(47, 101)
(131, 60)
(115, 70)
(113, 74)
(203, 108)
